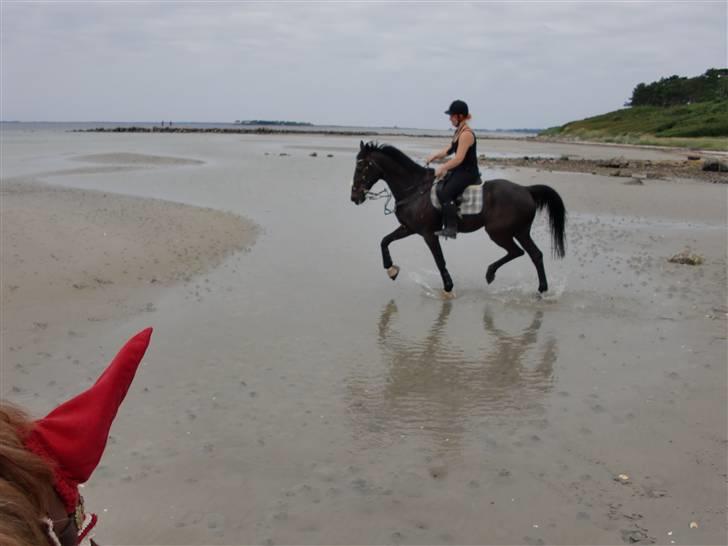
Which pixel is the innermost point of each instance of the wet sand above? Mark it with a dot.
(97, 256)
(295, 395)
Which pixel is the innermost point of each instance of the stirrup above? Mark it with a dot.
(447, 232)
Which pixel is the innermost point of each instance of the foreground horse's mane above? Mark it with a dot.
(394, 154)
(26, 482)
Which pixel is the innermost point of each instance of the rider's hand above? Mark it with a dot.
(440, 171)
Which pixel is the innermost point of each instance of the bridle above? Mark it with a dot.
(367, 164)
(372, 195)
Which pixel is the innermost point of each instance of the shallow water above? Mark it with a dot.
(297, 395)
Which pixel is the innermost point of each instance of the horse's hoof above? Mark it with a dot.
(448, 295)
(393, 272)
(489, 277)
(542, 289)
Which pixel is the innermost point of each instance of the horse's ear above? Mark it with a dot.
(361, 145)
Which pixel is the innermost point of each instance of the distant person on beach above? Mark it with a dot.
(459, 172)
(43, 462)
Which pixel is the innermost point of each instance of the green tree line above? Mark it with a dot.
(674, 90)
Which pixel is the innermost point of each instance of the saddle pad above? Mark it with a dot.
(471, 200)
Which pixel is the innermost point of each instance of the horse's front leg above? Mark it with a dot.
(400, 233)
(434, 243)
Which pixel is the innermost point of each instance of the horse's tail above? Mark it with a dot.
(546, 196)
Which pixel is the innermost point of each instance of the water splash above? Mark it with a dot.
(425, 280)
(521, 289)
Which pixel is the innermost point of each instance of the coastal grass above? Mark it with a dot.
(717, 144)
(695, 126)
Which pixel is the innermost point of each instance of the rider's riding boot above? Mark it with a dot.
(450, 220)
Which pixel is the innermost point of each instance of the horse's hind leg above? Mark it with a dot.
(536, 257)
(505, 240)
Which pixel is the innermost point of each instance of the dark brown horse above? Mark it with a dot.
(507, 215)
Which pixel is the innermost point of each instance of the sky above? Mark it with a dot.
(518, 64)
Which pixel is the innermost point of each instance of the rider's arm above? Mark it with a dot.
(439, 154)
(465, 141)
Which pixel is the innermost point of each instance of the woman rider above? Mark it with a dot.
(462, 170)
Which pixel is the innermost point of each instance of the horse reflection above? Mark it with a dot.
(506, 369)
(433, 384)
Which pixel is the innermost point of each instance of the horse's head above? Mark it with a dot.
(68, 443)
(366, 174)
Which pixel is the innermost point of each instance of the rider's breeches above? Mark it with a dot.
(455, 184)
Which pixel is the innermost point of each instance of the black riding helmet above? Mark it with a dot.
(457, 107)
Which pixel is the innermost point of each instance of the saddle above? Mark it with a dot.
(469, 202)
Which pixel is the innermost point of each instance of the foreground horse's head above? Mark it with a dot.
(366, 174)
(43, 463)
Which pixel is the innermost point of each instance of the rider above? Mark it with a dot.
(461, 171)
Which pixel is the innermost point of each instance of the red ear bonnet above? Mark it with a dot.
(73, 436)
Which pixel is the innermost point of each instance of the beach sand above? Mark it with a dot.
(71, 257)
(292, 394)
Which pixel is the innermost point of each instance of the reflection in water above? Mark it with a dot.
(440, 387)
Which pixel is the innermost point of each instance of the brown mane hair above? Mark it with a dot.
(26, 483)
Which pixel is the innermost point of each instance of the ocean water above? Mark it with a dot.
(87, 125)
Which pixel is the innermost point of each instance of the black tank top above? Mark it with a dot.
(470, 162)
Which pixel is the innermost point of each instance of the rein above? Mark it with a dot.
(385, 193)
(409, 198)
(422, 189)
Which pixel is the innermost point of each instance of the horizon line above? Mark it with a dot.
(281, 122)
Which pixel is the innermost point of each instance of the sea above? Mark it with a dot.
(327, 129)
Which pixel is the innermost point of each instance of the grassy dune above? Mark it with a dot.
(697, 126)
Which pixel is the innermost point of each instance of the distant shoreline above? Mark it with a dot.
(274, 123)
(696, 145)
(280, 130)
(110, 124)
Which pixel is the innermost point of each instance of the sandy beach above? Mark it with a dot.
(293, 394)
(98, 256)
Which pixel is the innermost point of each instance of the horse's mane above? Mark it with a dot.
(26, 481)
(394, 154)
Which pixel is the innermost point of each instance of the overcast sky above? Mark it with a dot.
(517, 64)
